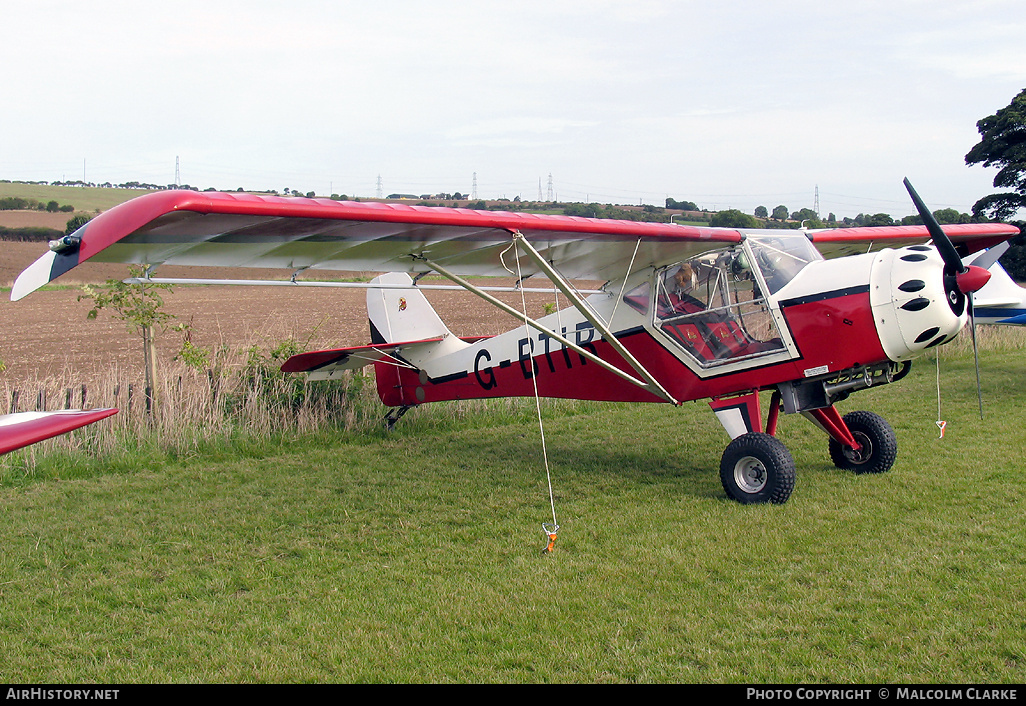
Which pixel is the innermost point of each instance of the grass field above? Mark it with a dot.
(84, 198)
(415, 556)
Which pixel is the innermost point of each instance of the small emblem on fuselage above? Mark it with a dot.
(402, 303)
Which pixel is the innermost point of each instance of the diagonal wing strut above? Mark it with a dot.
(648, 382)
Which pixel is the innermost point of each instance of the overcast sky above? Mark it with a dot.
(728, 104)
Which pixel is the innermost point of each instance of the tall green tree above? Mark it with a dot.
(76, 222)
(733, 218)
(682, 205)
(1003, 144)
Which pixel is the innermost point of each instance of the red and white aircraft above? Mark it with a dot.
(685, 313)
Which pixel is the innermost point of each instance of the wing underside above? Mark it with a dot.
(228, 230)
(245, 230)
(967, 237)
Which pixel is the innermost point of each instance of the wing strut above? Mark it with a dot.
(560, 282)
(649, 383)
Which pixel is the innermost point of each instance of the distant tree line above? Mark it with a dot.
(32, 234)
(37, 234)
(18, 203)
(681, 205)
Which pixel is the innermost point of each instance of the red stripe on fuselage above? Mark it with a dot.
(837, 333)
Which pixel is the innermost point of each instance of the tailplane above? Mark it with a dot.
(409, 344)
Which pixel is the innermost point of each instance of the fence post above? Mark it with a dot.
(214, 384)
(15, 394)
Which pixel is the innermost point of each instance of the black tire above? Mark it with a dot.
(878, 441)
(757, 468)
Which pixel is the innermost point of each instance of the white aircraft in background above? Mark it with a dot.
(1001, 300)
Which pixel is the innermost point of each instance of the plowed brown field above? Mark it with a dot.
(48, 333)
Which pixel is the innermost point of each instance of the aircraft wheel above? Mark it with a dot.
(757, 468)
(877, 439)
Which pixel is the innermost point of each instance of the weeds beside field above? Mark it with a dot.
(241, 401)
(244, 398)
(273, 551)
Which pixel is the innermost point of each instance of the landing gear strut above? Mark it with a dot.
(878, 445)
(394, 415)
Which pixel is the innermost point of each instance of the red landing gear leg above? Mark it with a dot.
(861, 441)
(756, 467)
(774, 413)
(741, 414)
(829, 420)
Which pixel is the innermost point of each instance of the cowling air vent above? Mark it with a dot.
(917, 304)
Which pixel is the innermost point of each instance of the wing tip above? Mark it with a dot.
(33, 277)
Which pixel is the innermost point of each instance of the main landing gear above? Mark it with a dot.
(757, 468)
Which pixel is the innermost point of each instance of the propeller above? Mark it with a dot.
(960, 280)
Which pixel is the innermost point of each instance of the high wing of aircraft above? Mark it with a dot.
(686, 313)
(25, 428)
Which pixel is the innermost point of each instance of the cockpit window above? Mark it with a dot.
(638, 297)
(713, 307)
(780, 258)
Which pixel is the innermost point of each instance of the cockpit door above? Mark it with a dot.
(716, 311)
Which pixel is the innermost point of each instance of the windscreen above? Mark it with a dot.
(781, 257)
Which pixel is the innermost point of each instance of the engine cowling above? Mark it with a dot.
(910, 301)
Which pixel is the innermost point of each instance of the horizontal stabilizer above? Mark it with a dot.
(25, 428)
(324, 364)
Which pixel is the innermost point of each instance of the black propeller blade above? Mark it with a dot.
(953, 267)
(952, 262)
(940, 239)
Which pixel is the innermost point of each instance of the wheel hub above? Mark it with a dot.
(864, 451)
(750, 474)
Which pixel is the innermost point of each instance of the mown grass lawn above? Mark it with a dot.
(416, 556)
